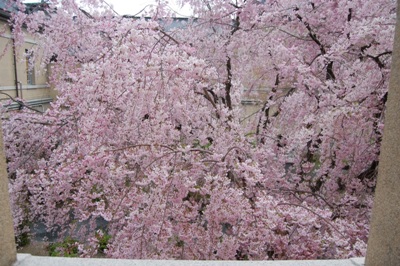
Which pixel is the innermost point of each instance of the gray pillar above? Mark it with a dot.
(384, 237)
(8, 250)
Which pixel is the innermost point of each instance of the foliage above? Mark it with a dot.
(103, 240)
(147, 130)
(23, 239)
(66, 248)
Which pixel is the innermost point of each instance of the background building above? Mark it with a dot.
(19, 75)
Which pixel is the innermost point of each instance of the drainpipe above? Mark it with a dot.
(15, 67)
(20, 88)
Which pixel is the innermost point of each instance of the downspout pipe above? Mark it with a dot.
(15, 66)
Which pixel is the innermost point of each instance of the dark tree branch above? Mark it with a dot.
(329, 72)
(228, 84)
(377, 58)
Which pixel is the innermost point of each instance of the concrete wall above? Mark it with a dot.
(384, 238)
(27, 260)
(7, 240)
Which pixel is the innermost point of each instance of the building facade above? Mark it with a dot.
(19, 75)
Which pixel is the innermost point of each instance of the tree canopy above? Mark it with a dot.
(148, 134)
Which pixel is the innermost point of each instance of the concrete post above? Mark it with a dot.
(8, 252)
(384, 237)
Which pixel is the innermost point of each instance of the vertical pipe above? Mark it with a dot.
(20, 87)
(15, 67)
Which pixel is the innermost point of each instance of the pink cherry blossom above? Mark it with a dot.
(148, 134)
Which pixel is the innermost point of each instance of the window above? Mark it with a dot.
(30, 67)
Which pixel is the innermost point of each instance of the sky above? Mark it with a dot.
(132, 7)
